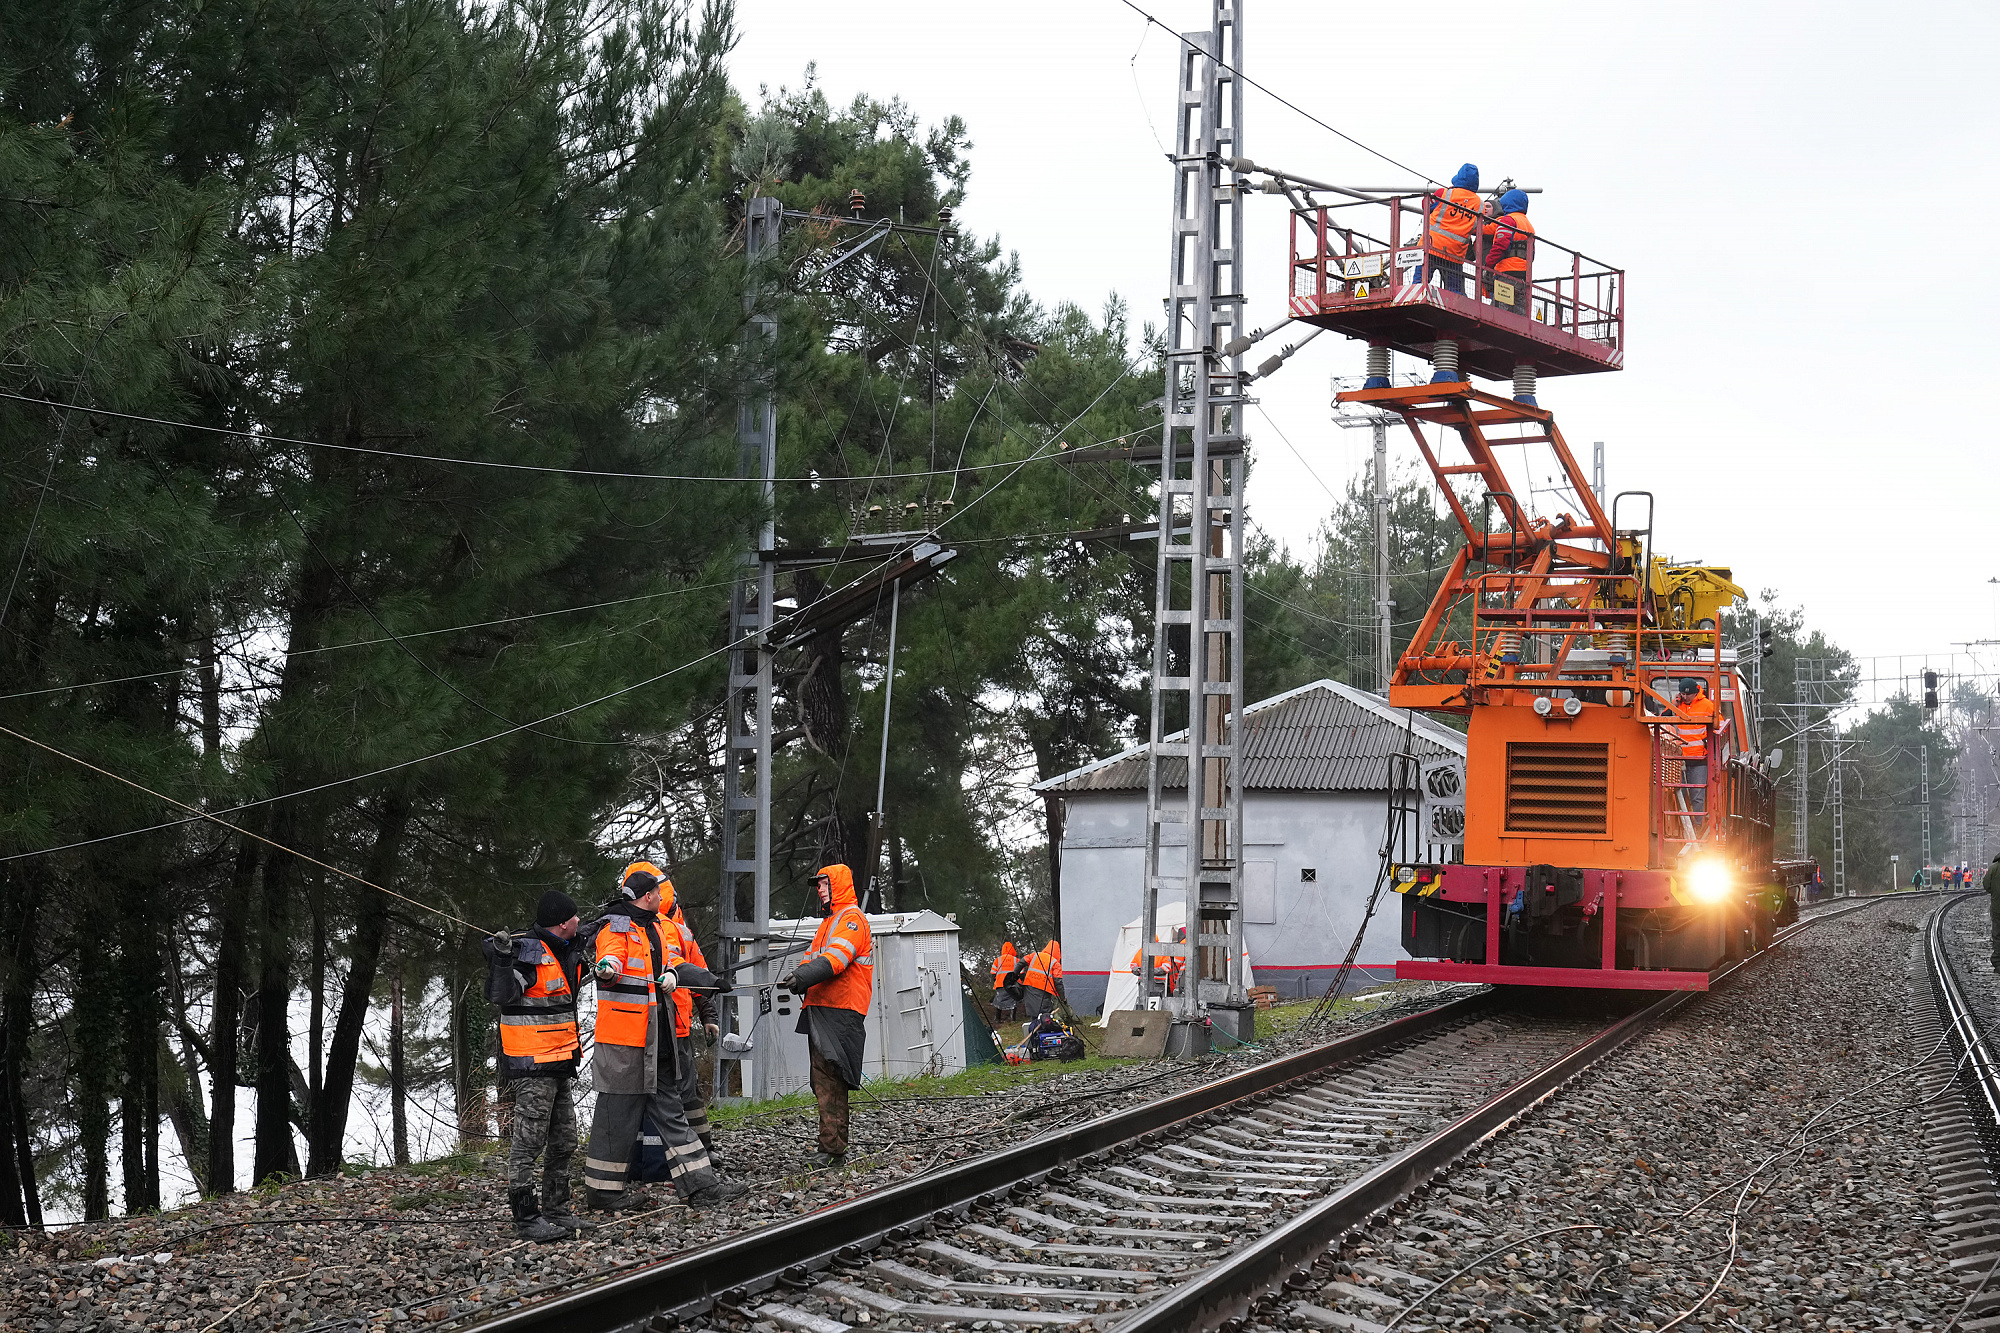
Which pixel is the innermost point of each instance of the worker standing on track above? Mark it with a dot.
(1693, 704)
(1992, 886)
(1005, 989)
(693, 1007)
(638, 966)
(534, 978)
(1041, 982)
(836, 979)
(1450, 215)
(1510, 253)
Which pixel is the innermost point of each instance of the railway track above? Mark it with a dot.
(1960, 1085)
(1169, 1216)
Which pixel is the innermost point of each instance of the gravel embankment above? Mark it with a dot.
(432, 1244)
(1642, 1165)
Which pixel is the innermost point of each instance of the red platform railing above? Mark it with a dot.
(1347, 254)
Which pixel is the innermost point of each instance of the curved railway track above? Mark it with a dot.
(1173, 1215)
(1960, 1084)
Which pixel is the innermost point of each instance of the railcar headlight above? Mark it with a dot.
(1709, 880)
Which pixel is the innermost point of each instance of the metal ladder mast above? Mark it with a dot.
(746, 770)
(1924, 760)
(1802, 806)
(1201, 497)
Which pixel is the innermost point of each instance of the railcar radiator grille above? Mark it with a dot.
(1557, 788)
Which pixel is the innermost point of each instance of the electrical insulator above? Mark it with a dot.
(856, 203)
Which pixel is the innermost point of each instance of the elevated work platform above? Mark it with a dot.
(1359, 268)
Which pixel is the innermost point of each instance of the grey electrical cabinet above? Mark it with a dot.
(915, 1023)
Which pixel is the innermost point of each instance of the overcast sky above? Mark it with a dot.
(1800, 194)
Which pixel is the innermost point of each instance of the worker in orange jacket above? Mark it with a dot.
(1041, 981)
(695, 1019)
(837, 980)
(1450, 217)
(1692, 704)
(1165, 970)
(534, 978)
(1006, 990)
(1510, 253)
(634, 1062)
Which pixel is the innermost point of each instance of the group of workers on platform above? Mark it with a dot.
(642, 957)
(1456, 223)
(1026, 986)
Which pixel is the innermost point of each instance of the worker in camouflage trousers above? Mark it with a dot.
(696, 1019)
(533, 977)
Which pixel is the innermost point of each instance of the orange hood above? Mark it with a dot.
(843, 886)
(1055, 951)
(1007, 956)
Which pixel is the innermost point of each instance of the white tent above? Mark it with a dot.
(1123, 990)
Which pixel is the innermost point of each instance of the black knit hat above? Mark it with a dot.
(555, 908)
(638, 884)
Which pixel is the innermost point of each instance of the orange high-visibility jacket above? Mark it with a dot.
(1694, 739)
(845, 941)
(539, 1029)
(1004, 964)
(683, 997)
(1510, 243)
(1045, 968)
(1170, 967)
(1450, 216)
(626, 1001)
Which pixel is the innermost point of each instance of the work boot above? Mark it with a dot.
(608, 1201)
(556, 1205)
(529, 1224)
(714, 1157)
(722, 1191)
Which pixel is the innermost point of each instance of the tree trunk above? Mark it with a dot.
(227, 1020)
(1052, 828)
(139, 989)
(399, 1082)
(315, 1014)
(20, 1200)
(468, 1050)
(336, 1090)
(180, 1089)
(276, 1153)
(96, 1053)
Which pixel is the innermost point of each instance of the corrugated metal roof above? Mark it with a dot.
(1325, 736)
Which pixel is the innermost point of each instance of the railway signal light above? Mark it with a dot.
(1930, 690)
(1766, 642)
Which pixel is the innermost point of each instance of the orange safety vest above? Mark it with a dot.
(690, 952)
(1004, 965)
(539, 1029)
(624, 1002)
(1694, 739)
(1045, 968)
(1510, 243)
(845, 941)
(1448, 222)
(1171, 966)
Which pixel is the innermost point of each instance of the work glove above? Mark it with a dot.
(711, 1031)
(666, 981)
(606, 969)
(809, 974)
(786, 980)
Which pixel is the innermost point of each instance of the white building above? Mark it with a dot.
(1315, 779)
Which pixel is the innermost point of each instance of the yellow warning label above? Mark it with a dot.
(1503, 292)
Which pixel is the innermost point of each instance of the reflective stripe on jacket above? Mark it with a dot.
(1694, 739)
(1449, 217)
(1004, 964)
(846, 942)
(538, 1031)
(1510, 243)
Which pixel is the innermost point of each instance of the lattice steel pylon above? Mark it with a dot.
(746, 769)
(1200, 580)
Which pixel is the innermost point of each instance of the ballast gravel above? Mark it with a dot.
(1753, 1163)
(432, 1246)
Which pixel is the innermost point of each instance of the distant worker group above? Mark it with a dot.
(1459, 226)
(1026, 986)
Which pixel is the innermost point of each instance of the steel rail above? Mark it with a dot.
(1970, 1050)
(1225, 1292)
(689, 1284)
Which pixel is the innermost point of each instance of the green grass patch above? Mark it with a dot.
(403, 1203)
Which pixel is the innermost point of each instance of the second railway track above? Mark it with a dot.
(1172, 1215)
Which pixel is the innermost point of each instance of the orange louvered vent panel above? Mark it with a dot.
(1557, 788)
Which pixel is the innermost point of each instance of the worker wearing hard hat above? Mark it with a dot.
(837, 979)
(1693, 704)
(1510, 253)
(1450, 216)
(1041, 982)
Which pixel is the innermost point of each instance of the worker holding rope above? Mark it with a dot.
(635, 1067)
(836, 979)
